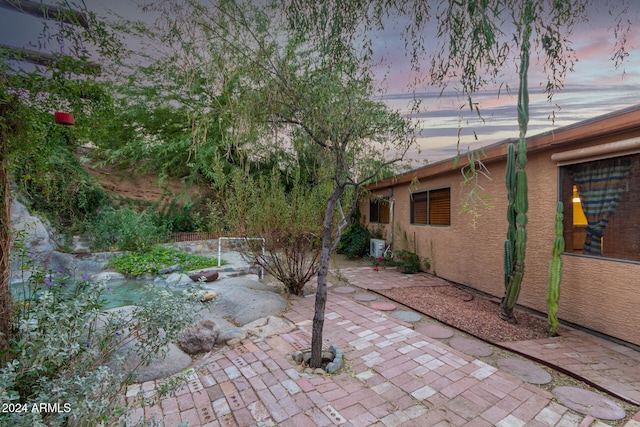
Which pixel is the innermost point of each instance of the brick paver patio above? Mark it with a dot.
(393, 376)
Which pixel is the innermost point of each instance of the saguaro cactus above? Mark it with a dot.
(555, 274)
(515, 244)
(516, 182)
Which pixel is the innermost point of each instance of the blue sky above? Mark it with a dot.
(594, 88)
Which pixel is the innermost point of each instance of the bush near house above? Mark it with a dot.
(354, 241)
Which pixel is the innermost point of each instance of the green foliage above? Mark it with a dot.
(405, 261)
(157, 258)
(471, 175)
(176, 217)
(290, 221)
(555, 273)
(354, 241)
(125, 229)
(63, 349)
(52, 179)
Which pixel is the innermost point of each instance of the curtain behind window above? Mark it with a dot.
(600, 185)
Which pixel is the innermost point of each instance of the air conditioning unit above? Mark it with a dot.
(376, 248)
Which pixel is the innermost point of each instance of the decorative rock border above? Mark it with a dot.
(332, 357)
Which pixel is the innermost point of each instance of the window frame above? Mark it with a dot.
(427, 198)
(566, 194)
(379, 202)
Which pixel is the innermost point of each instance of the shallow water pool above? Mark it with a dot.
(120, 292)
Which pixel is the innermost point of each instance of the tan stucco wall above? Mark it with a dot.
(599, 294)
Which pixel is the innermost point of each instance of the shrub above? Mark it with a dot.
(406, 261)
(354, 241)
(289, 219)
(176, 217)
(137, 263)
(53, 181)
(64, 344)
(125, 229)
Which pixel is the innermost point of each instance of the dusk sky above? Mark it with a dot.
(594, 88)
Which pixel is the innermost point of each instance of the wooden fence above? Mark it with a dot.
(190, 237)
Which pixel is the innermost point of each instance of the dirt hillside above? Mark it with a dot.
(140, 187)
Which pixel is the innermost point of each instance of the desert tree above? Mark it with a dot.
(294, 91)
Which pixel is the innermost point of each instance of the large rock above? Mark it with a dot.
(170, 269)
(243, 300)
(37, 239)
(37, 242)
(269, 326)
(178, 279)
(171, 360)
(70, 265)
(229, 332)
(200, 338)
(106, 276)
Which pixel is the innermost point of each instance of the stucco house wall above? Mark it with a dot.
(600, 294)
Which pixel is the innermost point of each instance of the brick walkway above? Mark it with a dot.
(393, 376)
(612, 366)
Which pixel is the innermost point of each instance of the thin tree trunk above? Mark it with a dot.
(323, 270)
(5, 244)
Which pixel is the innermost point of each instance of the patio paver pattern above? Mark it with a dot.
(393, 376)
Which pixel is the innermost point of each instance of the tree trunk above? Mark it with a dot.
(323, 270)
(5, 243)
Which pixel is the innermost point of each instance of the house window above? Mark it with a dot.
(379, 211)
(431, 207)
(602, 201)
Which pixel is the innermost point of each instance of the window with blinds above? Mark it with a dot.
(431, 207)
(379, 211)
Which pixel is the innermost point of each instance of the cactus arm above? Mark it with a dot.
(555, 273)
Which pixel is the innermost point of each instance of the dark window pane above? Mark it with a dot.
(374, 214)
(419, 208)
(440, 207)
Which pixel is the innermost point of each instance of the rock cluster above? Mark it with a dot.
(331, 360)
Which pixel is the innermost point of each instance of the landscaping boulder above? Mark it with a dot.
(37, 240)
(170, 361)
(243, 300)
(106, 276)
(200, 338)
(178, 279)
(229, 332)
(170, 269)
(268, 326)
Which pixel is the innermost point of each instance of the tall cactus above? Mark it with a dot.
(516, 182)
(555, 274)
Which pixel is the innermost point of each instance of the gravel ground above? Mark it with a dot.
(469, 311)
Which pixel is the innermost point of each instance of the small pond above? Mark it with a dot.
(130, 292)
(120, 292)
